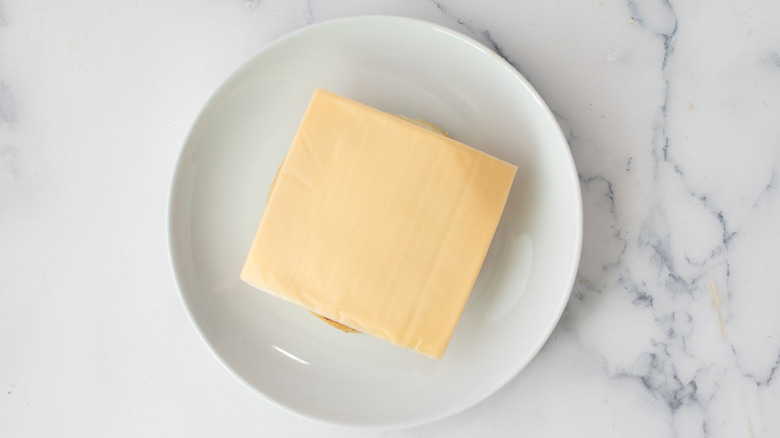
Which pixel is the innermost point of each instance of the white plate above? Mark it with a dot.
(401, 66)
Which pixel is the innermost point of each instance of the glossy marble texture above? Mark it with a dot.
(671, 110)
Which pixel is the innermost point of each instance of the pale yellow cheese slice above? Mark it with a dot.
(418, 122)
(378, 224)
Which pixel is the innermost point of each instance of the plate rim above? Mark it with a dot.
(313, 28)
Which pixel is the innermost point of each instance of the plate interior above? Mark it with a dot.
(221, 183)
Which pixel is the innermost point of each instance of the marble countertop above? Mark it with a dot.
(671, 111)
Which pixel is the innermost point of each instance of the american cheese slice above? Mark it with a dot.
(378, 224)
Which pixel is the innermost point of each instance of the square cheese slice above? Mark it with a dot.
(378, 224)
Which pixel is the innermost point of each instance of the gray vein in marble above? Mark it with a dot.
(600, 187)
(565, 126)
(640, 295)
(669, 40)
(610, 190)
(617, 234)
(484, 33)
(661, 378)
(660, 136)
(446, 13)
(771, 57)
(728, 233)
(771, 372)
(498, 49)
(656, 16)
(663, 144)
(635, 15)
(658, 369)
(768, 189)
(656, 236)
(309, 12)
(770, 376)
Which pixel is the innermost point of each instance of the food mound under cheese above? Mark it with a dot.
(378, 224)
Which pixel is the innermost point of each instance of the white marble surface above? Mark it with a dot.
(672, 111)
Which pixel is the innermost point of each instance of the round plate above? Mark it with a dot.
(226, 166)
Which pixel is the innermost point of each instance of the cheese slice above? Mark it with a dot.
(378, 224)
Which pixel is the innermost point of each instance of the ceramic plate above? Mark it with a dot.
(222, 179)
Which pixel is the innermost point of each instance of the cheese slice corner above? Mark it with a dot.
(378, 224)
